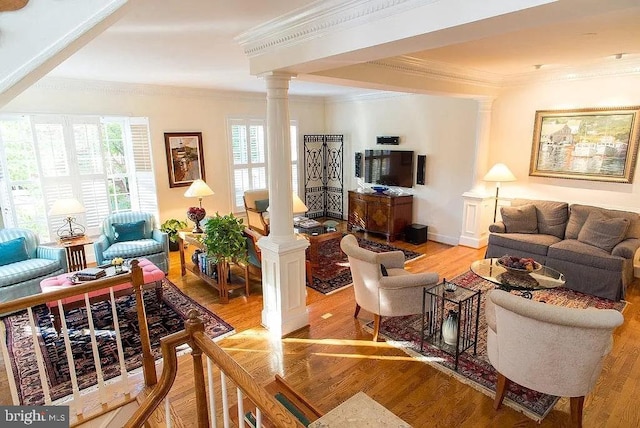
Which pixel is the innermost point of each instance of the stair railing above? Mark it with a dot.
(207, 412)
(105, 392)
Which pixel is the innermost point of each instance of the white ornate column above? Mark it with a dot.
(478, 203)
(283, 253)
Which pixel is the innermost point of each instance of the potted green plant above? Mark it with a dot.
(225, 242)
(171, 228)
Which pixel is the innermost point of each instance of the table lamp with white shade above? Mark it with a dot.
(198, 189)
(68, 207)
(499, 173)
(298, 206)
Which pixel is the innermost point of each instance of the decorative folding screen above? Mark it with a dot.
(323, 175)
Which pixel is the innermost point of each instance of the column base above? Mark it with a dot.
(283, 285)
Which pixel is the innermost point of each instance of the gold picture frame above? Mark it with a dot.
(598, 144)
(185, 161)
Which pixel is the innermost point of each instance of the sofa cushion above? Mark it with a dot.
(552, 216)
(26, 270)
(131, 249)
(521, 219)
(574, 251)
(603, 232)
(579, 214)
(535, 244)
(12, 251)
(123, 232)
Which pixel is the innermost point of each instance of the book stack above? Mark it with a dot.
(90, 273)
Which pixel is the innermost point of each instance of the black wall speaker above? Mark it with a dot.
(422, 161)
(388, 140)
(358, 164)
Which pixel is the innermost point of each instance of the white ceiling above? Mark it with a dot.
(190, 43)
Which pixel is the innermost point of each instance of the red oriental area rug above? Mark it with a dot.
(476, 370)
(165, 316)
(333, 274)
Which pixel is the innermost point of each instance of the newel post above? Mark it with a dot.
(148, 363)
(192, 325)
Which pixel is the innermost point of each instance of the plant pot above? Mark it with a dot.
(173, 246)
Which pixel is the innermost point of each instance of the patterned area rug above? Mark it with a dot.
(164, 317)
(333, 272)
(475, 370)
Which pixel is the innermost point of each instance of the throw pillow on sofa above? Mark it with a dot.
(13, 251)
(520, 219)
(123, 232)
(603, 232)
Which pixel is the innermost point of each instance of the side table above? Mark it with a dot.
(437, 301)
(76, 256)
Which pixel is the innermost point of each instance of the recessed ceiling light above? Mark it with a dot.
(589, 34)
(618, 55)
(538, 66)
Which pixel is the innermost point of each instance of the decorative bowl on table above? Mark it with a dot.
(519, 265)
(379, 189)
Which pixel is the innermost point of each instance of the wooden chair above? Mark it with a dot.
(255, 204)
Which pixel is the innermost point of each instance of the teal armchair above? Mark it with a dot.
(132, 235)
(24, 263)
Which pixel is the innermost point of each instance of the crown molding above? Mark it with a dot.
(440, 71)
(372, 96)
(319, 18)
(452, 73)
(138, 89)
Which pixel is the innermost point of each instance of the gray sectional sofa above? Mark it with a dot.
(593, 247)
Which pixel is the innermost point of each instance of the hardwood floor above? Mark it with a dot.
(335, 358)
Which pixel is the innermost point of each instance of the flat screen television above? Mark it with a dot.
(389, 167)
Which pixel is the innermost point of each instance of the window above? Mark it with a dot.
(101, 161)
(249, 157)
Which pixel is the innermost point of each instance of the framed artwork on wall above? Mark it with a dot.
(599, 144)
(185, 161)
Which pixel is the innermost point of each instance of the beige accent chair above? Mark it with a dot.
(397, 294)
(257, 215)
(550, 349)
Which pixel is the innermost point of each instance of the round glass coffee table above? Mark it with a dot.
(543, 279)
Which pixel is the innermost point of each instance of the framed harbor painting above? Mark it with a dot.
(599, 144)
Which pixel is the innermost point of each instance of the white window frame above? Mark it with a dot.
(74, 184)
(295, 151)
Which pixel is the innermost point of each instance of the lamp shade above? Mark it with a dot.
(198, 189)
(66, 206)
(298, 205)
(500, 173)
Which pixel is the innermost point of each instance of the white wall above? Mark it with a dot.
(512, 135)
(171, 110)
(443, 129)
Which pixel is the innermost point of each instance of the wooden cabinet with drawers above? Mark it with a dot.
(380, 213)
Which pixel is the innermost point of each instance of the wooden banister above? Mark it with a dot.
(270, 407)
(135, 277)
(200, 343)
(168, 345)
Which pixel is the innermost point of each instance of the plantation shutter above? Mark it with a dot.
(144, 190)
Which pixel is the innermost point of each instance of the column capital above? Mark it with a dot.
(277, 79)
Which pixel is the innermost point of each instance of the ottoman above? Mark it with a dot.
(152, 275)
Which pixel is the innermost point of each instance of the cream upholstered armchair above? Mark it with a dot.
(550, 349)
(397, 293)
(256, 203)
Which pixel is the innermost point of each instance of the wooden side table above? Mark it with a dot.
(76, 256)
